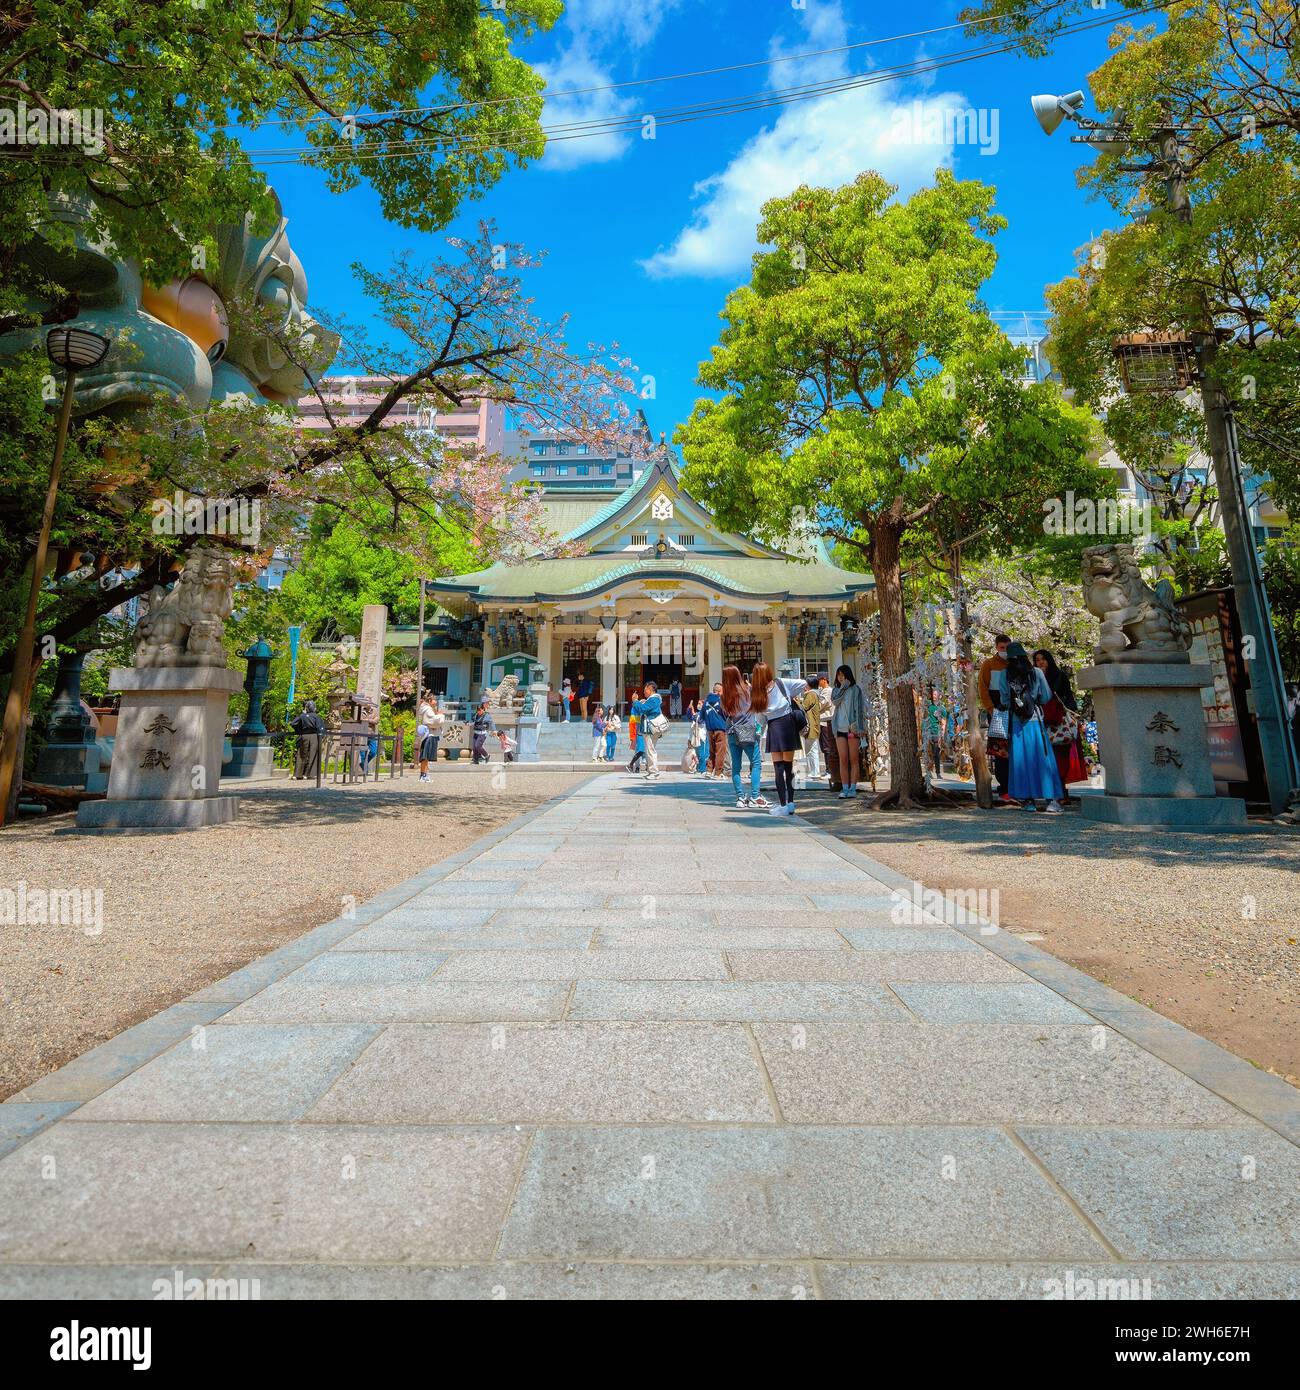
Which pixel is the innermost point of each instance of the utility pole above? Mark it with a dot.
(1267, 690)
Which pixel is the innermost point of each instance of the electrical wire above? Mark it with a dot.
(667, 116)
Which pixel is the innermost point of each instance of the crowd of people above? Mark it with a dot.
(741, 718)
(1033, 732)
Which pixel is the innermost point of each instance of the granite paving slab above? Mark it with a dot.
(527, 1073)
(1181, 1194)
(869, 1073)
(746, 1001)
(787, 1192)
(130, 1193)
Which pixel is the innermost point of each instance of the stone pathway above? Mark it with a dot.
(645, 1045)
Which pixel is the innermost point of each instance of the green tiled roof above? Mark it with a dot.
(571, 511)
(610, 508)
(588, 574)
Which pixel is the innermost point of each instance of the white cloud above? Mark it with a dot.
(824, 27)
(600, 22)
(575, 71)
(824, 142)
(593, 28)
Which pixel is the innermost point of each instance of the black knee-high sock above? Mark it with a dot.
(780, 769)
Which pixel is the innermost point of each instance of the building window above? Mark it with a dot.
(539, 470)
(685, 539)
(476, 671)
(606, 468)
(582, 470)
(583, 449)
(561, 470)
(562, 449)
(539, 449)
(638, 538)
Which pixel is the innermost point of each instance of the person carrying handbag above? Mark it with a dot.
(1024, 692)
(742, 737)
(1061, 715)
(649, 711)
(775, 702)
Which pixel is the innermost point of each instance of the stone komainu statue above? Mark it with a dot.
(183, 625)
(1138, 623)
(503, 696)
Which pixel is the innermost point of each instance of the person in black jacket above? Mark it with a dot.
(309, 726)
(482, 726)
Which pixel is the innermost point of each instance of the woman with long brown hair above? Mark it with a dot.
(742, 737)
(849, 721)
(773, 700)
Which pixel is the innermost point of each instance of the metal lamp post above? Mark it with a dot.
(1267, 683)
(74, 350)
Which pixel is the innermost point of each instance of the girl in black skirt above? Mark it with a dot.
(773, 700)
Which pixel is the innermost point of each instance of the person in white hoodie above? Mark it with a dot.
(775, 701)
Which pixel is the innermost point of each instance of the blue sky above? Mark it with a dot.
(645, 237)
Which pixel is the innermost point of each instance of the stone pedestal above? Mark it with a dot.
(253, 756)
(527, 735)
(166, 769)
(1151, 732)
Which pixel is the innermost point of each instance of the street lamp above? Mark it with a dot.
(1151, 361)
(74, 350)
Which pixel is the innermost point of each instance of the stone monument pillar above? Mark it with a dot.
(166, 769)
(529, 719)
(251, 753)
(1147, 695)
(70, 757)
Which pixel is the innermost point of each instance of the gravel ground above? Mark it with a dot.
(1161, 917)
(181, 910)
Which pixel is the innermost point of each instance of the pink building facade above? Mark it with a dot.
(352, 398)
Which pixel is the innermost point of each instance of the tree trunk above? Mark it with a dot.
(979, 755)
(907, 782)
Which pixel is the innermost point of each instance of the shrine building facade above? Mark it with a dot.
(660, 592)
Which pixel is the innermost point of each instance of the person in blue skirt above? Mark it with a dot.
(1022, 691)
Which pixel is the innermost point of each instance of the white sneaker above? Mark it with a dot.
(742, 802)
(776, 810)
(761, 802)
(1055, 808)
(424, 777)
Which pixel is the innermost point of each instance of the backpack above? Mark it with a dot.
(800, 714)
(1020, 698)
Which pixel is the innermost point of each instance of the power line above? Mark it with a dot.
(641, 81)
(670, 116)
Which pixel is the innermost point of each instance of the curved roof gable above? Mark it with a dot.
(660, 477)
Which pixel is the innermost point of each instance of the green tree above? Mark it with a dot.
(1222, 76)
(1282, 575)
(341, 570)
(864, 386)
(464, 330)
(424, 101)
